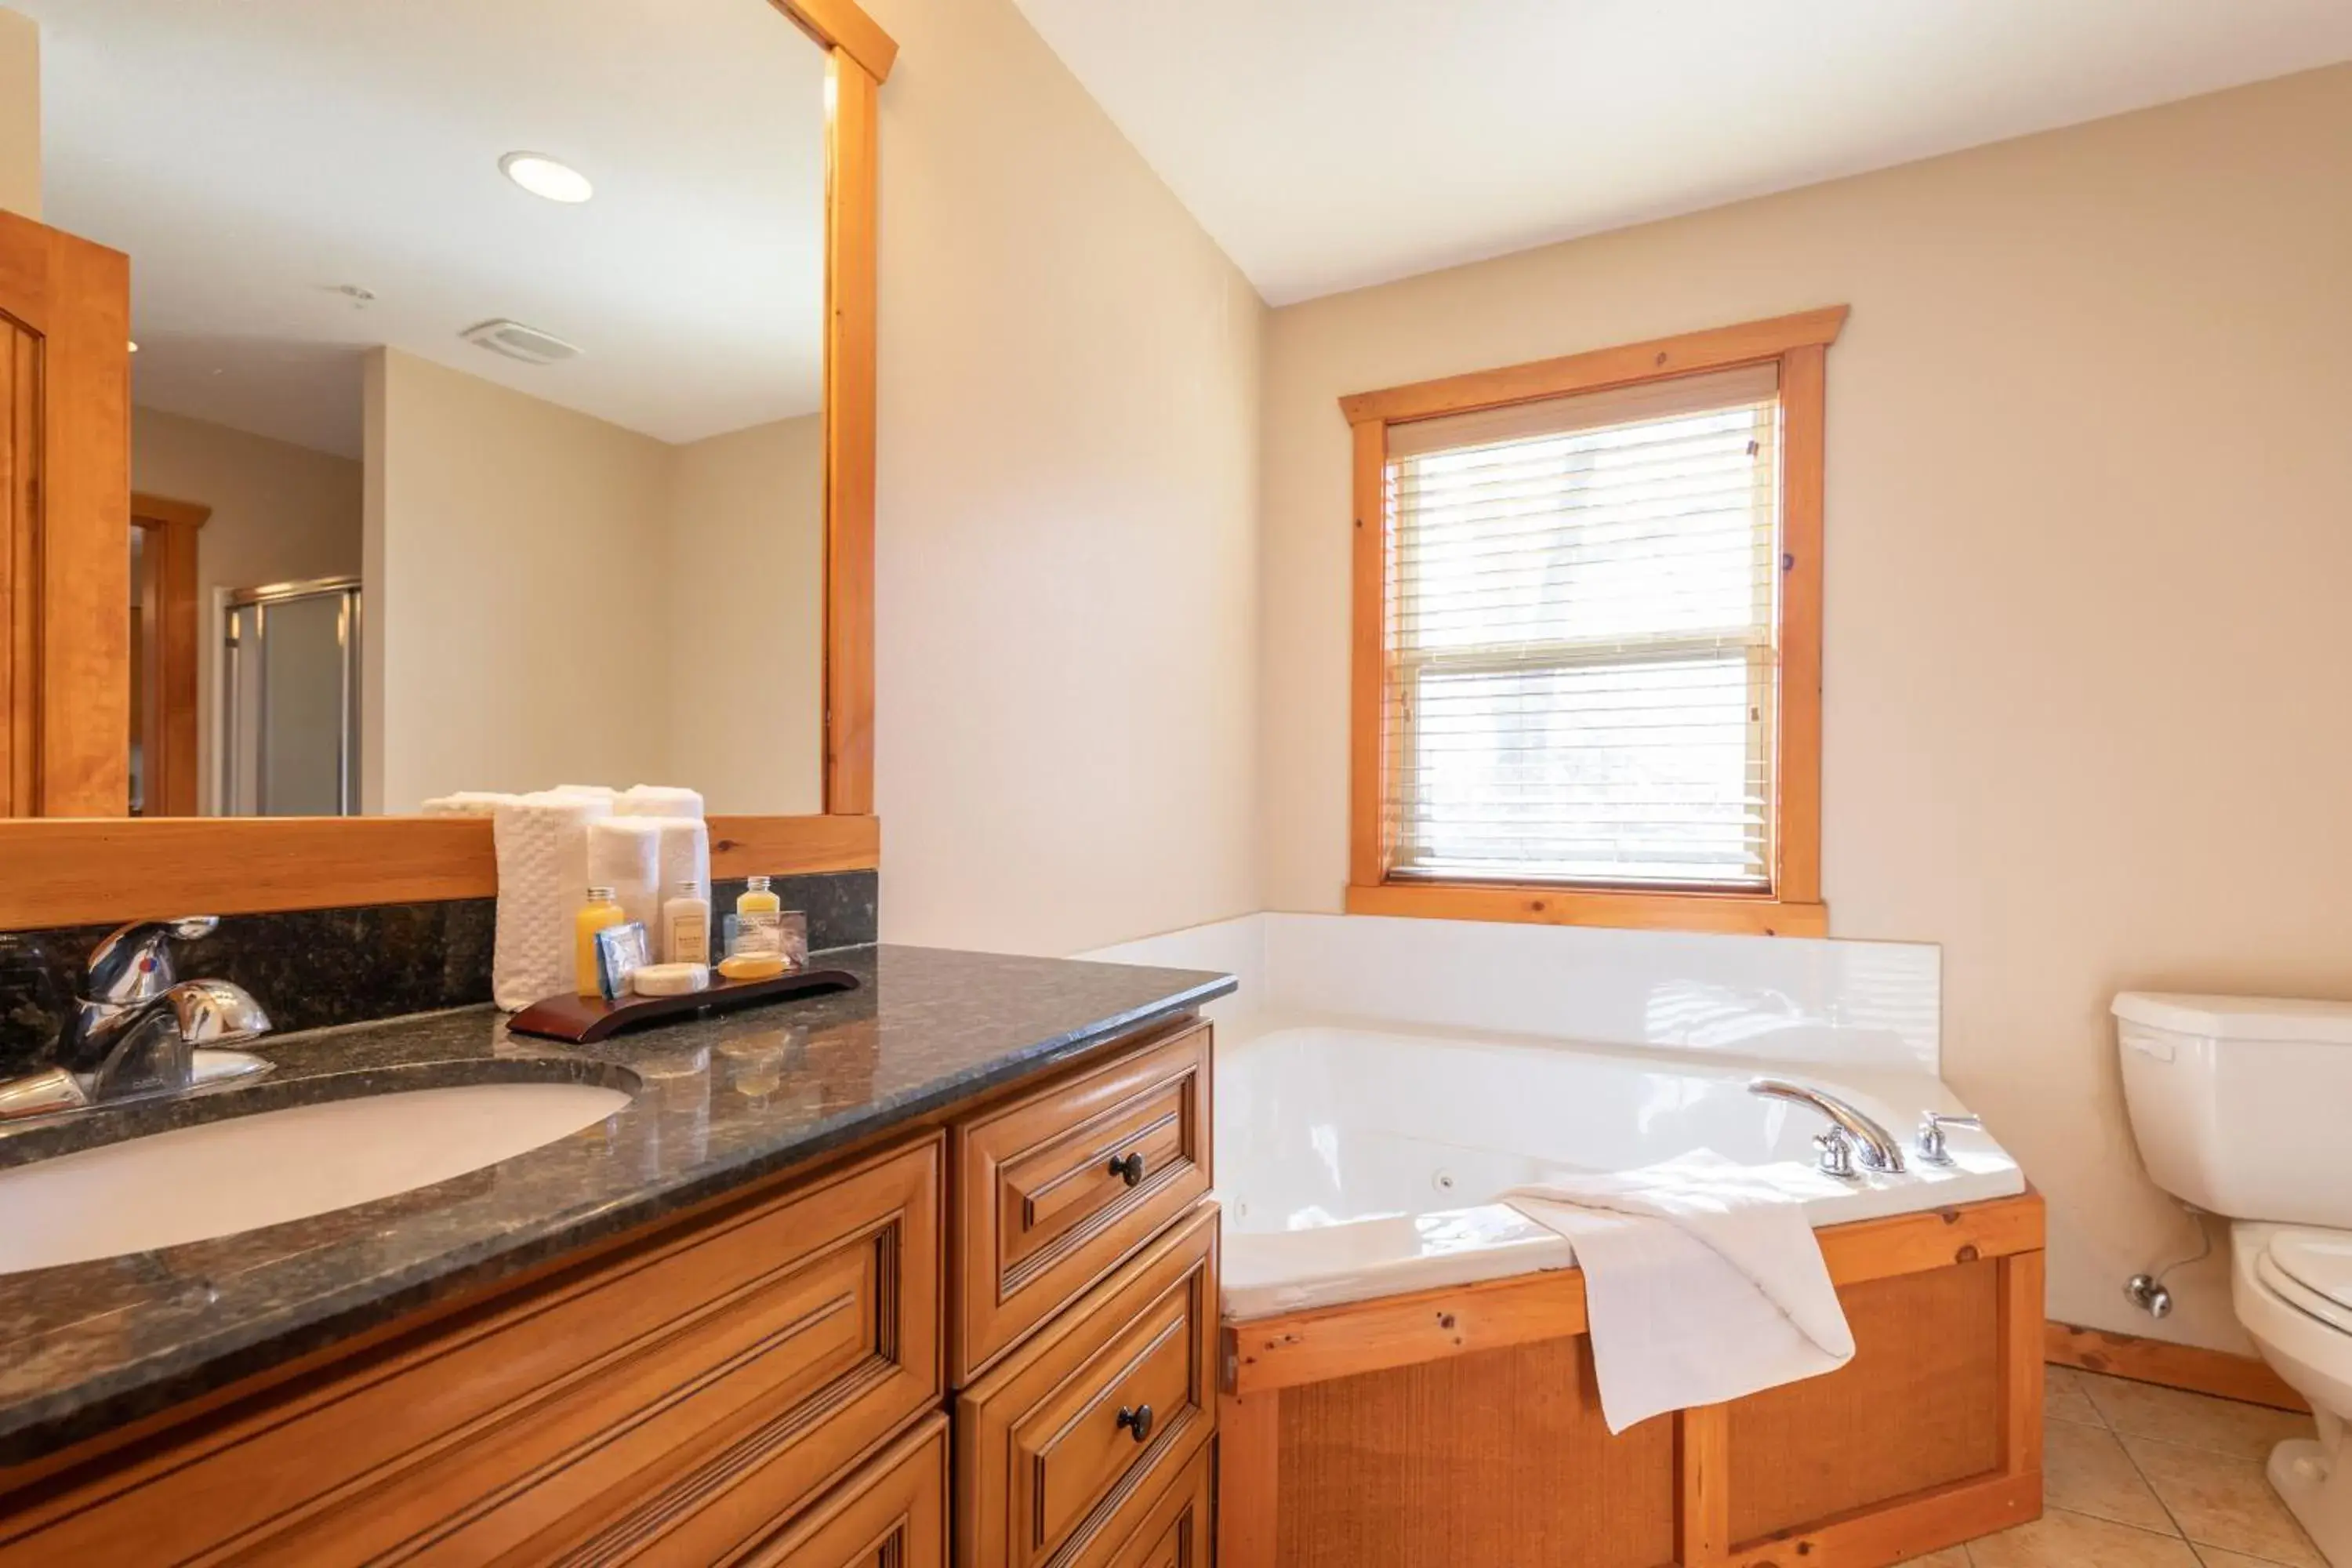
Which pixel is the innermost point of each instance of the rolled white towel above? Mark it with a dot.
(659, 800)
(542, 854)
(625, 854)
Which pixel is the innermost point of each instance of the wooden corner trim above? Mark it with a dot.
(2245, 1378)
(843, 25)
(145, 508)
(1714, 348)
(1738, 914)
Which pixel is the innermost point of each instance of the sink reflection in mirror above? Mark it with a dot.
(242, 1172)
(455, 469)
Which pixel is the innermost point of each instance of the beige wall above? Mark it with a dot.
(20, 114)
(555, 599)
(746, 523)
(516, 590)
(1067, 552)
(2086, 713)
(280, 513)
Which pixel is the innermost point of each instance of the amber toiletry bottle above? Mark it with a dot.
(602, 910)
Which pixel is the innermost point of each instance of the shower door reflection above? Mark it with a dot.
(290, 701)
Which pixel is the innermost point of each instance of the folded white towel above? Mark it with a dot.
(542, 853)
(466, 802)
(659, 800)
(625, 854)
(1703, 1282)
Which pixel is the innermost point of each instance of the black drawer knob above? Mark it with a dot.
(1138, 1419)
(1128, 1170)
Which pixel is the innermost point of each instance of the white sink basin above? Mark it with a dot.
(246, 1172)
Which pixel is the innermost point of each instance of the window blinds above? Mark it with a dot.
(1581, 676)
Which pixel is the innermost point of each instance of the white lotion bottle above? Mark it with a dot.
(686, 925)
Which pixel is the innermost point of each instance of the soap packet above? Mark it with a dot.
(621, 950)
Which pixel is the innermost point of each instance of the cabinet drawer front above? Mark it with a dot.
(1057, 1460)
(1175, 1531)
(1059, 1187)
(892, 1513)
(737, 1367)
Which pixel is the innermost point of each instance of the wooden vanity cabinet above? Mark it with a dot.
(891, 1514)
(680, 1400)
(1085, 1272)
(1073, 1437)
(1057, 1187)
(765, 1382)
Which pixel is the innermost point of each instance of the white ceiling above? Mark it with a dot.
(253, 157)
(1327, 144)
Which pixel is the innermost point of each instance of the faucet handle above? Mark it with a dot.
(1836, 1146)
(134, 962)
(1931, 1135)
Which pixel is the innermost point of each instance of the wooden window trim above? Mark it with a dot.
(1798, 344)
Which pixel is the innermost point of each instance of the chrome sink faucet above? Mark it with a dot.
(1851, 1135)
(138, 1030)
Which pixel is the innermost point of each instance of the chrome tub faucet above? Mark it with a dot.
(138, 1030)
(1851, 1135)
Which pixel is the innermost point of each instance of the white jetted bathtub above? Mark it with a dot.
(1361, 1162)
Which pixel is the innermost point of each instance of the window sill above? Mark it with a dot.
(1738, 914)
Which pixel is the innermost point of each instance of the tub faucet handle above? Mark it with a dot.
(1931, 1135)
(1837, 1153)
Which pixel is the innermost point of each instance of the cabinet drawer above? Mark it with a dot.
(1055, 1189)
(735, 1366)
(1072, 1437)
(893, 1514)
(1175, 1529)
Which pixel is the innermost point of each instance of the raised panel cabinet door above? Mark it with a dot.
(700, 1384)
(1058, 1188)
(893, 1514)
(1175, 1532)
(65, 524)
(1072, 1438)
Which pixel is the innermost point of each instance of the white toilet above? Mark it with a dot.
(2243, 1107)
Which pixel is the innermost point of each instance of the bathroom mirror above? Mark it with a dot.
(478, 430)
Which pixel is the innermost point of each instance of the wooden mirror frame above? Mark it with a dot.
(59, 871)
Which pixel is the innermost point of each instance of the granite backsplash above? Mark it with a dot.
(313, 968)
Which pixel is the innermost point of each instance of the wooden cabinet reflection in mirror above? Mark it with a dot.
(595, 529)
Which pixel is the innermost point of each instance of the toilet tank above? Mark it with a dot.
(2242, 1105)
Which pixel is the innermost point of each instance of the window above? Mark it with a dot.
(1588, 636)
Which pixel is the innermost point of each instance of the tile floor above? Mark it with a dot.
(2139, 1477)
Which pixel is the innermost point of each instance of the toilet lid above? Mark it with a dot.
(2317, 1264)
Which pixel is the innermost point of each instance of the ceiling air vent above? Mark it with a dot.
(516, 340)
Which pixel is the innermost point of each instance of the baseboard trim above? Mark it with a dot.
(2192, 1367)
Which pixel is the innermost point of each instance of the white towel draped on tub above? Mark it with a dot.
(1703, 1282)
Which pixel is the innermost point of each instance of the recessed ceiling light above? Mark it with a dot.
(134, 348)
(545, 176)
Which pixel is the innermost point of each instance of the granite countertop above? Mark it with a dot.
(716, 1102)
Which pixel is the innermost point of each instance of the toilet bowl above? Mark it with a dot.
(2237, 1104)
(2292, 1286)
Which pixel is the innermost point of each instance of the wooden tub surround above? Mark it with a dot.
(1461, 1425)
(986, 1337)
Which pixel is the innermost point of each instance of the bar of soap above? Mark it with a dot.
(752, 966)
(670, 979)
